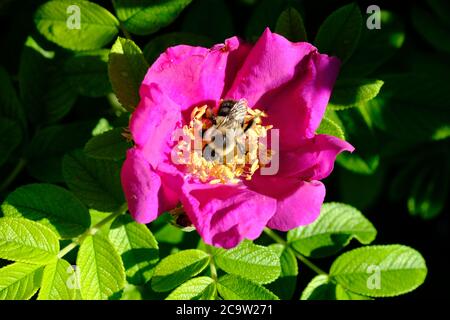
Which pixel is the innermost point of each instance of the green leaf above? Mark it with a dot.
(127, 68)
(420, 114)
(210, 18)
(56, 20)
(27, 241)
(95, 182)
(339, 33)
(44, 91)
(175, 269)
(337, 224)
(137, 247)
(101, 270)
(232, 287)
(441, 9)
(10, 106)
(375, 47)
(284, 286)
(360, 190)
(380, 271)
(321, 288)
(87, 73)
(359, 132)
(290, 25)
(50, 205)
(265, 15)
(110, 145)
(251, 261)
(429, 187)
(148, 16)
(348, 93)
(56, 281)
(47, 148)
(201, 288)
(329, 127)
(432, 30)
(19, 281)
(10, 138)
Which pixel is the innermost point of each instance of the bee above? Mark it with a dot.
(229, 123)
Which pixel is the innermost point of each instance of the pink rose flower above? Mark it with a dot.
(290, 82)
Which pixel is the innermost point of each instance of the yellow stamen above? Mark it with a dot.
(223, 170)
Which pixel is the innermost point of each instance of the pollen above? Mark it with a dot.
(248, 153)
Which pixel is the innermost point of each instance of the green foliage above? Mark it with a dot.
(339, 33)
(127, 68)
(360, 133)
(256, 263)
(290, 25)
(50, 205)
(209, 18)
(329, 127)
(201, 288)
(148, 16)
(375, 47)
(27, 241)
(66, 97)
(351, 92)
(284, 286)
(137, 247)
(55, 21)
(110, 145)
(95, 182)
(380, 271)
(55, 281)
(337, 224)
(434, 31)
(101, 270)
(177, 268)
(232, 287)
(10, 137)
(46, 149)
(322, 288)
(19, 281)
(87, 72)
(45, 95)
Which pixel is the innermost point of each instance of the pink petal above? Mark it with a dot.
(298, 202)
(313, 159)
(141, 186)
(191, 76)
(153, 123)
(291, 81)
(224, 215)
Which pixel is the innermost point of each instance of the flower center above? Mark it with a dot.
(225, 146)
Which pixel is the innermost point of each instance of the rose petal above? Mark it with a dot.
(141, 186)
(313, 159)
(191, 76)
(153, 123)
(291, 81)
(298, 202)
(224, 215)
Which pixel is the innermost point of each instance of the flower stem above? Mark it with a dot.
(17, 169)
(299, 256)
(92, 230)
(212, 265)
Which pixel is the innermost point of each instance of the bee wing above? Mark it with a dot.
(239, 111)
(235, 118)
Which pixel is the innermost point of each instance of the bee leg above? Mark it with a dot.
(249, 125)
